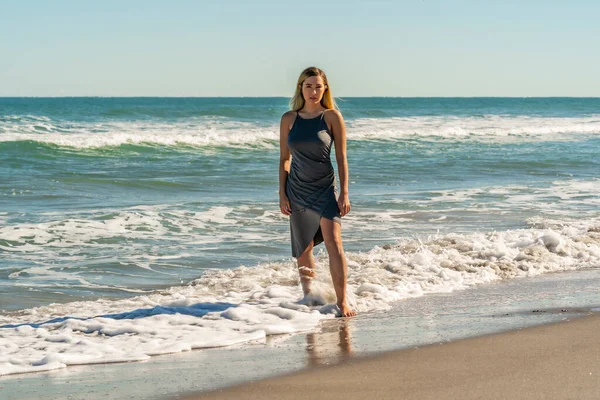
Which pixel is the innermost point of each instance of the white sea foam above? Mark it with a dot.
(88, 230)
(198, 132)
(57, 251)
(490, 127)
(210, 131)
(249, 303)
(573, 195)
(69, 240)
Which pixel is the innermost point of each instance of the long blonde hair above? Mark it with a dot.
(297, 102)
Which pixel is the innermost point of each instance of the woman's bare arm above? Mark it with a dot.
(338, 129)
(285, 158)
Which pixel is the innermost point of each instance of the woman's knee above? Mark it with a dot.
(333, 243)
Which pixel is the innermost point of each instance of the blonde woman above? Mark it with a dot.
(307, 188)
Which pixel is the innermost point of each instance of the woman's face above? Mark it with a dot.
(313, 89)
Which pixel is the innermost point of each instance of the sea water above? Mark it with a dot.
(131, 227)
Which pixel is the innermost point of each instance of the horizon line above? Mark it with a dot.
(289, 97)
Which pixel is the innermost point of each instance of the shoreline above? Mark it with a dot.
(554, 360)
(412, 323)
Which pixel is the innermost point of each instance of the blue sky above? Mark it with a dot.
(257, 48)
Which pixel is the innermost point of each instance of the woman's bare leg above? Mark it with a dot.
(306, 268)
(332, 236)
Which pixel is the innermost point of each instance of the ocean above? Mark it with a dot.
(131, 227)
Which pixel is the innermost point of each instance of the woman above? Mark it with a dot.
(307, 190)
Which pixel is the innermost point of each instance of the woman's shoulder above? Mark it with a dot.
(291, 114)
(332, 114)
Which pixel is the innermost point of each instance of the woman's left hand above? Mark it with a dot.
(344, 204)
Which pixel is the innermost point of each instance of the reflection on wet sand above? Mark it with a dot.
(332, 345)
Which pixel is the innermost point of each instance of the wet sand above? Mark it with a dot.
(558, 361)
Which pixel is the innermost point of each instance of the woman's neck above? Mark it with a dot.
(312, 108)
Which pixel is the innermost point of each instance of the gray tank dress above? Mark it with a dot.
(310, 185)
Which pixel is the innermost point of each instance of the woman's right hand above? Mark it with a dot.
(284, 205)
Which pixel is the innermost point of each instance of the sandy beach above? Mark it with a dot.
(558, 361)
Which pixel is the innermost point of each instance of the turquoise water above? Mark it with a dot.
(114, 197)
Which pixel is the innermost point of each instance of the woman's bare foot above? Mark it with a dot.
(346, 311)
(311, 300)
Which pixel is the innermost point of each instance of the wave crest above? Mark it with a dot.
(223, 132)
